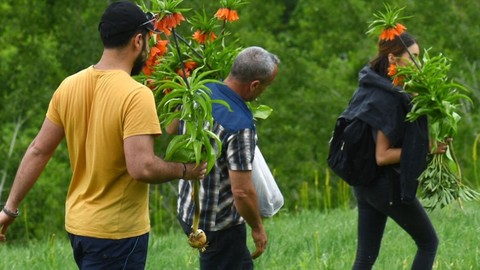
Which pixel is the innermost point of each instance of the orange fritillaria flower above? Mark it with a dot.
(391, 33)
(189, 66)
(392, 71)
(202, 37)
(199, 37)
(156, 51)
(168, 22)
(226, 14)
(232, 16)
(148, 68)
(398, 81)
(222, 13)
(400, 28)
(162, 47)
(388, 34)
(180, 73)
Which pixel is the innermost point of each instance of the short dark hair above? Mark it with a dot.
(120, 22)
(380, 63)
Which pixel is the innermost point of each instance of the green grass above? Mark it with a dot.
(304, 240)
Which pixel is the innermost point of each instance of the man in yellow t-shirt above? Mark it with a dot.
(109, 122)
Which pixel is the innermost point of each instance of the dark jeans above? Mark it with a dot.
(373, 210)
(227, 249)
(95, 253)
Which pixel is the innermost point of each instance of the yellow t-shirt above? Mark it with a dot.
(98, 110)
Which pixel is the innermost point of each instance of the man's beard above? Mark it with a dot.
(139, 62)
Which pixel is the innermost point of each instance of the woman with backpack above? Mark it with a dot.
(401, 149)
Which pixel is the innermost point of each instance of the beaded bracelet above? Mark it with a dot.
(184, 170)
(11, 213)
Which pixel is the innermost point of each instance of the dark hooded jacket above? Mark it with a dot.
(384, 107)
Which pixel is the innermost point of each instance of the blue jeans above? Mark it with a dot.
(227, 249)
(373, 210)
(95, 253)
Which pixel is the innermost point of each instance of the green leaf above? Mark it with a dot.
(262, 112)
(178, 142)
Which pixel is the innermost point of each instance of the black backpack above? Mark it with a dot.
(352, 152)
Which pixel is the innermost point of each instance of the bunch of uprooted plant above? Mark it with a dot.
(177, 70)
(439, 98)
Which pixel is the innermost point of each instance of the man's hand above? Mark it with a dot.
(260, 239)
(246, 202)
(195, 172)
(5, 221)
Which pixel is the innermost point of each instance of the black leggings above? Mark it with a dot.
(373, 210)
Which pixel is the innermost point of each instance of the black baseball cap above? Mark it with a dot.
(122, 17)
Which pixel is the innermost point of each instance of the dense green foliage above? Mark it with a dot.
(326, 241)
(322, 46)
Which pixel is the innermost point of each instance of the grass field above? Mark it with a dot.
(305, 240)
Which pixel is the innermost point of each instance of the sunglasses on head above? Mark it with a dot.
(150, 18)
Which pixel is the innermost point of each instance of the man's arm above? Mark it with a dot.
(246, 202)
(33, 162)
(173, 127)
(143, 165)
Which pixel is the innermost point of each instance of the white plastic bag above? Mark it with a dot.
(270, 199)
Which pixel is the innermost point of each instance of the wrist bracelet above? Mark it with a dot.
(184, 170)
(10, 213)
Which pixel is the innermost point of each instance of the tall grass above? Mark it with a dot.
(475, 158)
(302, 240)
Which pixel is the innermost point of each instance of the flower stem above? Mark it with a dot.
(196, 217)
(196, 184)
(474, 156)
(409, 53)
(224, 25)
(182, 65)
(455, 160)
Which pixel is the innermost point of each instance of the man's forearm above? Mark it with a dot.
(28, 172)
